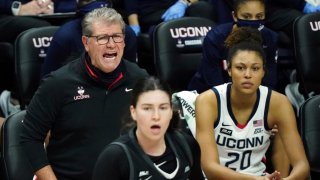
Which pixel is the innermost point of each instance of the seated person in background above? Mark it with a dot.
(234, 120)
(66, 43)
(12, 22)
(280, 14)
(213, 70)
(26, 7)
(81, 103)
(143, 15)
(154, 145)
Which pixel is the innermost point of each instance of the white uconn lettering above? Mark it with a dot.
(41, 42)
(189, 32)
(315, 26)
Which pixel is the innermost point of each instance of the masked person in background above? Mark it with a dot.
(213, 69)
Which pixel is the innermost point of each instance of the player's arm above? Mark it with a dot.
(279, 158)
(45, 173)
(289, 134)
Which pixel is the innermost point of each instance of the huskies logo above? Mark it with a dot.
(81, 95)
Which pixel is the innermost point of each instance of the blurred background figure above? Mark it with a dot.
(144, 14)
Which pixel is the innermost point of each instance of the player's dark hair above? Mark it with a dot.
(244, 39)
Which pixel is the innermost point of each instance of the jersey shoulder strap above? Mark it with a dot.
(186, 147)
(125, 149)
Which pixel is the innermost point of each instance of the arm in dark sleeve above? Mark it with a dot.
(210, 71)
(41, 114)
(66, 45)
(112, 164)
(296, 4)
(131, 6)
(211, 65)
(196, 171)
(55, 54)
(130, 50)
(65, 6)
(270, 40)
(5, 7)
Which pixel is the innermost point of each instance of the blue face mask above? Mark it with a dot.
(250, 23)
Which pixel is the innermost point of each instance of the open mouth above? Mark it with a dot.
(155, 129)
(110, 56)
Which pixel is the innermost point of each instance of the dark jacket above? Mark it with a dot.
(82, 114)
(114, 164)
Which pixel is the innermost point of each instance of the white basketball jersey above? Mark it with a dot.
(242, 148)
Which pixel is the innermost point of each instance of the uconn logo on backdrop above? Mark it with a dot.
(42, 43)
(315, 26)
(191, 35)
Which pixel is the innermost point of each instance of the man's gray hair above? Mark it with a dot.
(104, 14)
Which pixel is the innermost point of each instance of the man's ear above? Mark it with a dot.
(85, 41)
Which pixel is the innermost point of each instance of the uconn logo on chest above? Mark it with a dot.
(315, 26)
(81, 94)
(40, 42)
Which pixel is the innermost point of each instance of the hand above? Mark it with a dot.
(47, 6)
(274, 130)
(274, 176)
(309, 8)
(175, 11)
(35, 7)
(136, 29)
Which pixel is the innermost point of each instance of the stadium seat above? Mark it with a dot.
(30, 52)
(310, 133)
(15, 166)
(177, 46)
(307, 52)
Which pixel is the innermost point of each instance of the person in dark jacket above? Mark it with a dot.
(81, 104)
(154, 148)
(212, 70)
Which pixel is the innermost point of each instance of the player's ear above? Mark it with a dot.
(133, 113)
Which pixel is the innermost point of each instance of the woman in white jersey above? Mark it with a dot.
(234, 120)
